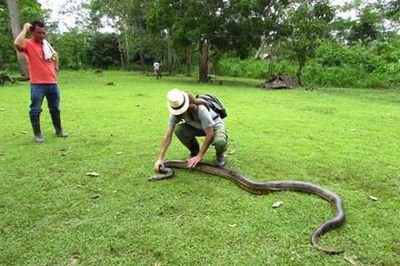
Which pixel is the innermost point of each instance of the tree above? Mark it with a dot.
(263, 26)
(16, 28)
(162, 22)
(308, 24)
(72, 44)
(368, 27)
(71, 47)
(390, 12)
(375, 21)
(6, 47)
(393, 10)
(103, 50)
(216, 25)
(130, 22)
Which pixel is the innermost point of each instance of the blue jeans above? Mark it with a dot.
(38, 92)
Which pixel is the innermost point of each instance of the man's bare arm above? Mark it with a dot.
(19, 42)
(164, 147)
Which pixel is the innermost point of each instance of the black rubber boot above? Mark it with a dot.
(220, 161)
(35, 121)
(55, 117)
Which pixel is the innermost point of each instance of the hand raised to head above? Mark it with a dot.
(27, 26)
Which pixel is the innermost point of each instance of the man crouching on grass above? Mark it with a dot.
(190, 117)
(43, 68)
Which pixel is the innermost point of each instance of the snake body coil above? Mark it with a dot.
(266, 187)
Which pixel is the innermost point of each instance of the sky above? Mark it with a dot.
(68, 21)
(64, 21)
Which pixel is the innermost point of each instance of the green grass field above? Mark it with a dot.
(345, 140)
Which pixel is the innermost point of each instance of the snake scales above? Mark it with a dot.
(266, 187)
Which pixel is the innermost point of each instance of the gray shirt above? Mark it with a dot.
(202, 119)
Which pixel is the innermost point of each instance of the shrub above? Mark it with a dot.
(250, 68)
(334, 66)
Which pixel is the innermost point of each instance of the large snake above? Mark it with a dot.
(266, 187)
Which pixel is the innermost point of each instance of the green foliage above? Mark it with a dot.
(102, 51)
(331, 54)
(72, 48)
(354, 66)
(344, 140)
(392, 10)
(388, 50)
(173, 31)
(129, 18)
(334, 65)
(344, 77)
(308, 25)
(227, 26)
(235, 67)
(367, 28)
(254, 68)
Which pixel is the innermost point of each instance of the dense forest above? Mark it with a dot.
(311, 41)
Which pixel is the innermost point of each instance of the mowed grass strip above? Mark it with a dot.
(345, 140)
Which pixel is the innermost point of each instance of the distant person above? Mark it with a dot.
(157, 69)
(191, 117)
(43, 68)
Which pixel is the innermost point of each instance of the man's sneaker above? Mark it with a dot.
(220, 160)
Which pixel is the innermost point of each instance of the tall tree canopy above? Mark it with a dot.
(308, 25)
(225, 26)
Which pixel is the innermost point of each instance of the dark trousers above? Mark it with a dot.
(187, 136)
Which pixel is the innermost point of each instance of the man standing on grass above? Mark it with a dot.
(157, 69)
(190, 117)
(43, 68)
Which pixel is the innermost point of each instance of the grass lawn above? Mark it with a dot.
(52, 213)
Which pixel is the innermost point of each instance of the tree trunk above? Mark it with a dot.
(169, 50)
(16, 29)
(203, 64)
(121, 54)
(142, 61)
(77, 58)
(127, 47)
(299, 72)
(188, 60)
(1, 62)
(261, 48)
(272, 57)
(169, 58)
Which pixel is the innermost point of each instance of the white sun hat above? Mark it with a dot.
(177, 101)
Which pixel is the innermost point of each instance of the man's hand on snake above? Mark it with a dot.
(192, 162)
(158, 164)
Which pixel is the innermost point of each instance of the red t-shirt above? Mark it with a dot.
(41, 71)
